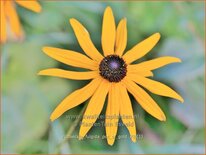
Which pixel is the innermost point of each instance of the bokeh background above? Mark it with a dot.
(28, 100)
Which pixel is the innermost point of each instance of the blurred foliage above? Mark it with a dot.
(28, 100)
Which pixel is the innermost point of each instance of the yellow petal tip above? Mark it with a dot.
(108, 8)
(125, 19)
(39, 73)
(45, 49)
(181, 100)
(72, 20)
(82, 133)
(42, 72)
(134, 139)
(158, 34)
(52, 119)
(179, 60)
(163, 118)
(110, 142)
(81, 137)
(175, 59)
(38, 10)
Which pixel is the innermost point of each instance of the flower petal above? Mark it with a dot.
(112, 113)
(85, 40)
(76, 98)
(3, 22)
(147, 103)
(154, 63)
(32, 5)
(126, 113)
(71, 58)
(156, 87)
(108, 32)
(69, 74)
(145, 73)
(121, 37)
(13, 18)
(94, 108)
(141, 49)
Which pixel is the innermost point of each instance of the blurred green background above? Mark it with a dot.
(28, 100)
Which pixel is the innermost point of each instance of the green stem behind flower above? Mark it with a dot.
(72, 128)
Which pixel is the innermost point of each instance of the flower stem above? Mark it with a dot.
(77, 120)
(72, 128)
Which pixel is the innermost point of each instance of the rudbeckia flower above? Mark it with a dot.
(111, 74)
(9, 16)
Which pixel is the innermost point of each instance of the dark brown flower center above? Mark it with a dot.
(113, 68)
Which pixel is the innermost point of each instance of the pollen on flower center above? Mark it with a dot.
(113, 68)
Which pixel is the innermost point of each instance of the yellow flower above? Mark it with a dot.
(111, 74)
(10, 17)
